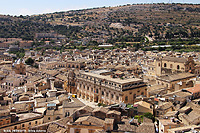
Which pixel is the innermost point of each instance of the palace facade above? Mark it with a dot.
(105, 89)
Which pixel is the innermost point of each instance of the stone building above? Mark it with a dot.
(89, 120)
(5, 117)
(176, 81)
(12, 81)
(23, 122)
(142, 107)
(52, 114)
(104, 89)
(163, 108)
(89, 124)
(60, 64)
(165, 124)
(169, 65)
(75, 64)
(70, 83)
(19, 67)
(71, 105)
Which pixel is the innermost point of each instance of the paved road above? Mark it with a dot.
(91, 104)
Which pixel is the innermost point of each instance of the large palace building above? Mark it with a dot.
(101, 88)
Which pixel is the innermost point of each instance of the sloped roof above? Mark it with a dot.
(109, 120)
(114, 112)
(195, 89)
(126, 128)
(20, 106)
(101, 109)
(90, 119)
(88, 108)
(144, 104)
(174, 59)
(50, 112)
(62, 77)
(156, 87)
(55, 128)
(177, 76)
(171, 113)
(52, 128)
(75, 103)
(165, 105)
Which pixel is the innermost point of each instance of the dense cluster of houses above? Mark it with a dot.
(100, 90)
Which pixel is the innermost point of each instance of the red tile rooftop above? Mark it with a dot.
(194, 89)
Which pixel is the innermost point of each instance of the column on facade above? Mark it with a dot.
(109, 97)
(90, 94)
(85, 92)
(99, 96)
(114, 98)
(120, 98)
(80, 90)
(52, 84)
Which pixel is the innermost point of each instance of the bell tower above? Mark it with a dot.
(158, 67)
(71, 82)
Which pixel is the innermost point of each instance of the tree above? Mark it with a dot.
(29, 61)
(149, 115)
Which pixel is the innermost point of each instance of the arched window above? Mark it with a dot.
(178, 67)
(126, 98)
(165, 65)
(117, 97)
(171, 65)
(159, 64)
(66, 114)
(57, 118)
(134, 96)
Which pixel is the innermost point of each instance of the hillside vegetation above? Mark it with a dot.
(128, 23)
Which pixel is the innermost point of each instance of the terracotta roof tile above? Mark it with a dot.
(90, 119)
(101, 109)
(174, 59)
(194, 89)
(114, 112)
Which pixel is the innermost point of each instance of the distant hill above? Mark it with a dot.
(128, 23)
